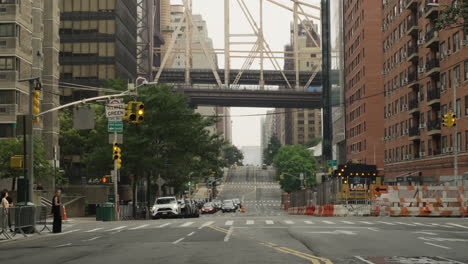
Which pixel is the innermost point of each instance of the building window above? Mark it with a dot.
(459, 141)
(6, 130)
(7, 30)
(466, 71)
(429, 147)
(456, 42)
(423, 146)
(457, 108)
(456, 76)
(6, 63)
(7, 97)
(466, 140)
(444, 141)
(443, 81)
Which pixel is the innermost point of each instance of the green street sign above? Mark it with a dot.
(332, 163)
(115, 127)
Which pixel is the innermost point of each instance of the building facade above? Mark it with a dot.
(425, 76)
(97, 43)
(29, 47)
(363, 78)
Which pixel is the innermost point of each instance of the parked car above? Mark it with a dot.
(208, 208)
(165, 207)
(188, 208)
(217, 204)
(264, 167)
(237, 202)
(228, 206)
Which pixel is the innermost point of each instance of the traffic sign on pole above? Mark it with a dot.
(332, 163)
(115, 127)
(115, 108)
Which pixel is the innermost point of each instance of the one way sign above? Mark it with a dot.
(380, 189)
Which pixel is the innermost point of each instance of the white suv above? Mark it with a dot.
(165, 206)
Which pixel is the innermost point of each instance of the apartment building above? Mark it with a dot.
(423, 69)
(97, 43)
(29, 47)
(363, 78)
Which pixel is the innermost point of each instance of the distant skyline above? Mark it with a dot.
(246, 130)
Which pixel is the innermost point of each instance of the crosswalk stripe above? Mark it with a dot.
(457, 225)
(206, 224)
(289, 222)
(309, 222)
(250, 222)
(387, 223)
(186, 224)
(420, 224)
(328, 222)
(367, 223)
(229, 223)
(401, 223)
(348, 222)
(163, 225)
(117, 228)
(139, 227)
(269, 222)
(93, 230)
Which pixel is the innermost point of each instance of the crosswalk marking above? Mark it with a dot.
(328, 222)
(117, 228)
(229, 223)
(457, 225)
(93, 230)
(367, 223)
(139, 227)
(163, 225)
(420, 224)
(206, 224)
(186, 224)
(401, 223)
(387, 223)
(269, 222)
(289, 222)
(250, 222)
(309, 222)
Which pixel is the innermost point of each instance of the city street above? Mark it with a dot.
(263, 234)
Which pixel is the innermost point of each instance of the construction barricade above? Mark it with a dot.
(422, 201)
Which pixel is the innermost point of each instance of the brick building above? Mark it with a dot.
(421, 69)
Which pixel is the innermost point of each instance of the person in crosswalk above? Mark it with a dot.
(57, 212)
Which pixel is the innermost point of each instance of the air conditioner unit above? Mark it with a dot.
(406, 131)
(449, 149)
(422, 125)
(421, 69)
(404, 107)
(447, 53)
(464, 42)
(422, 154)
(420, 42)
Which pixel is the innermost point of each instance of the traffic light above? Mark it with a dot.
(129, 114)
(450, 120)
(36, 105)
(140, 112)
(106, 179)
(116, 155)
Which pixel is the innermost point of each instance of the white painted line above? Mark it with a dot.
(367, 223)
(228, 234)
(191, 234)
(419, 224)
(139, 227)
(364, 260)
(229, 223)
(250, 222)
(457, 225)
(269, 222)
(64, 245)
(373, 229)
(117, 228)
(178, 240)
(186, 224)
(435, 245)
(426, 233)
(91, 239)
(309, 222)
(453, 261)
(163, 225)
(401, 223)
(288, 222)
(387, 223)
(328, 222)
(64, 233)
(93, 230)
(348, 222)
(206, 224)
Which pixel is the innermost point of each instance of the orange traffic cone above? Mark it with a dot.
(64, 214)
(243, 209)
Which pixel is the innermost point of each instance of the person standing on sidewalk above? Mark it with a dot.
(4, 204)
(10, 205)
(57, 212)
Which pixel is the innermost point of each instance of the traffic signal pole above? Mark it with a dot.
(455, 150)
(115, 178)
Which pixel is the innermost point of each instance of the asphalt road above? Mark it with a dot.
(264, 234)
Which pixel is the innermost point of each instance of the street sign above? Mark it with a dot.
(301, 176)
(115, 119)
(332, 163)
(115, 127)
(115, 108)
(113, 140)
(380, 189)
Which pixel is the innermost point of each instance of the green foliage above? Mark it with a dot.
(313, 142)
(271, 150)
(454, 15)
(232, 155)
(290, 162)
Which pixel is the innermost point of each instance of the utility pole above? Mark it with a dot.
(116, 191)
(455, 130)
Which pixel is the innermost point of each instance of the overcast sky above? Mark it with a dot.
(246, 130)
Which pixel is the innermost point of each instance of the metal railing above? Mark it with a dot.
(434, 124)
(414, 131)
(23, 220)
(413, 104)
(432, 33)
(432, 64)
(433, 94)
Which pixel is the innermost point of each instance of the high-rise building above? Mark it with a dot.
(363, 78)
(424, 70)
(267, 129)
(29, 47)
(97, 43)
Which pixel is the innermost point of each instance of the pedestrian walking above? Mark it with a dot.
(4, 204)
(57, 212)
(10, 205)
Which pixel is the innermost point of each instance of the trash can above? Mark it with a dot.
(108, 212)
(99, 213)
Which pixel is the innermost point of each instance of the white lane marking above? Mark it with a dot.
(229, 223)
(269, 222)
(426, 233)
(328, 222)
(186, 224)
(163, 225)
(91, 239)
(206, 224)
(453, 261)
(435, 245)
(364, 260)
(367, 223)
(457, 225)
(64, 233)
(139, 227)
(289, 222)
(401, 223)
(373, 229)
(178, 240)
(93, 230)
(117, 228)
(387, 223)
(191, 234)
(348, 222)
(228, 234)
(250, 222)
(419, 224)
(64, 245)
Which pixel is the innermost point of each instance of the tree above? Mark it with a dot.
(271, 150)
(312, 142)
(232, 155)
(290, 162)
(454, 15)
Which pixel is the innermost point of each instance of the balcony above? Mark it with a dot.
(433, 97)
(433, 127)
(411, 4)
(431, 11)
(432, 39)
(413, 80)
(412, 27)
(414, 133)
(413, 106)
(412, 53)
(432, 67)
